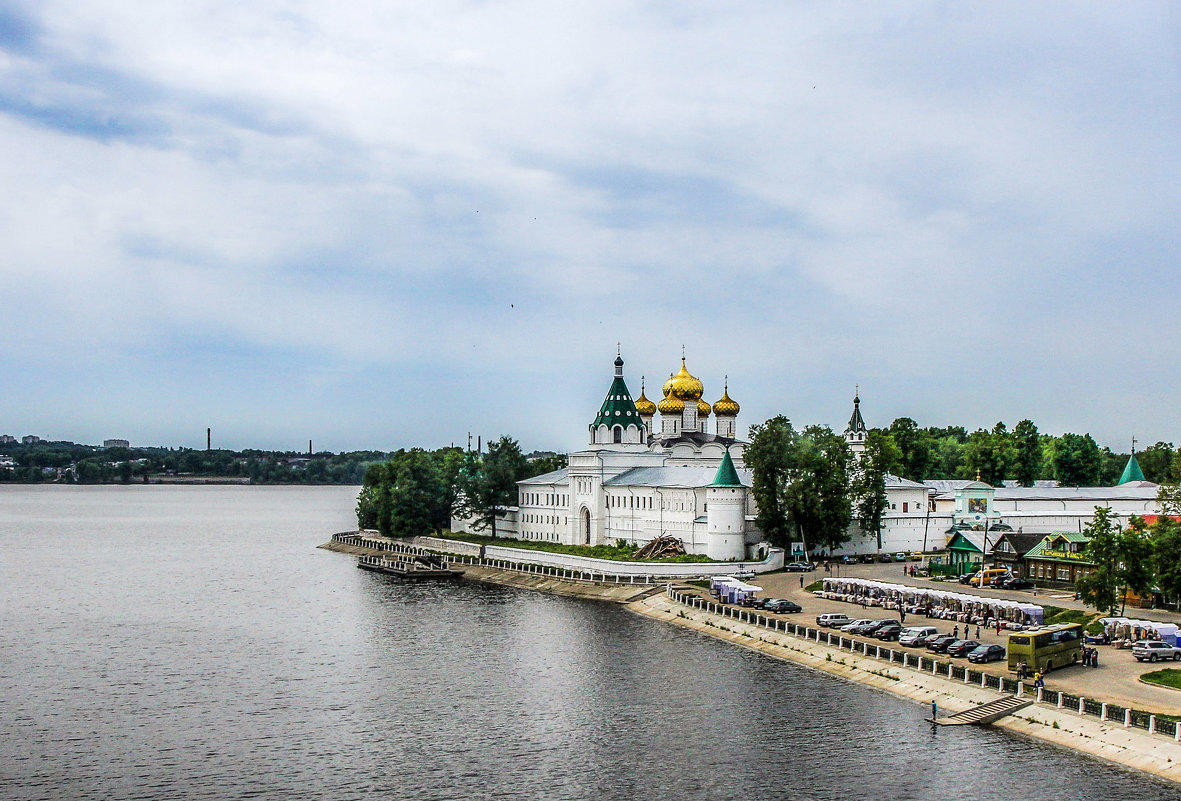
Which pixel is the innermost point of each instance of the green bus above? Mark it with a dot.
(1046, 648)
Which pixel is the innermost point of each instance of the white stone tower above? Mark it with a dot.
(725, 513)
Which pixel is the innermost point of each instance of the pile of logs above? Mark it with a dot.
(660, 548)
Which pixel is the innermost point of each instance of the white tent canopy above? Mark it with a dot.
(962, 606)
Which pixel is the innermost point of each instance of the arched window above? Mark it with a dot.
(618, 434)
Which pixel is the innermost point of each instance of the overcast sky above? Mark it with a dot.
(385, 224)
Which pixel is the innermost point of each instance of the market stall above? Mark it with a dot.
(731, 590)
(1122, 631)
(932, 603)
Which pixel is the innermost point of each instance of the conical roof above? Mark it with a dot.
(727, 476)
(1132, 471)
(856, 422)
(618, 407)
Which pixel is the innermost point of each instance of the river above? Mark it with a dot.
(192, 643)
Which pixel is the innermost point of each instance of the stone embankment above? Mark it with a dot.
(1107, 740)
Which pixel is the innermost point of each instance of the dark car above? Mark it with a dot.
(799, 567)
(889, 631)
(866, 559)
(782, 605)
(754, 603)
(939, 644)
(962, 647)
(1016, 584)
(871, 628)
(987, 653)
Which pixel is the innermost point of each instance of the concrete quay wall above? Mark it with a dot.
(1133, 748)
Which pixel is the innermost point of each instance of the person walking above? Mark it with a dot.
(978, 632)
(934, 710)
(955, 631)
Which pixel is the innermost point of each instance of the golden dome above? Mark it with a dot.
(726, 405)
(645, 407)
(683, 385)
(671, 405)
(702, 409)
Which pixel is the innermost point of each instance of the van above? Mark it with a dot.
(984, 577)
(832, 620)
(917, 636)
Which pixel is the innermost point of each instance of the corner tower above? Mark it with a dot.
(725, 513)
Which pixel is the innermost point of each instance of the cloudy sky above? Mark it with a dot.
(381, 224)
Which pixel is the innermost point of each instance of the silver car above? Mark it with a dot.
(1153, 650)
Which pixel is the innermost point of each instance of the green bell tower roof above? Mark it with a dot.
(618, 407)
(727, 476)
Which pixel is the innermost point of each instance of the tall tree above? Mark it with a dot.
(868, 486)
(917, 445)
(373, 502)
(987, 454)
(1100, 587)
(1166, 556)
(417, 495)
(1077, 460)
(769, 457)
(488, 484)
(1027, 453)
(1155, 462)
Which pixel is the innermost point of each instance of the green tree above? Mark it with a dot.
(1156, 462)
(1027, 453)
(1100, 588)
(1135, 567)
(987, 454)
(868, 486)
(769, 457)
(488, 484)
(1166, 556)
(917, 446)
(417, 494)
(1168, 498)
(373, 502)
(450, 463)
(1077, 460)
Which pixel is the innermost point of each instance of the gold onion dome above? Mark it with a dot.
(726, 405)
(671, 405)
(702, 408)
(683, 385)
(645, 407)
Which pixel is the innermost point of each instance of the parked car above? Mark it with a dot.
(866, 559)
(888, 631)
(885, 557)
(782, 605)
(754, 603)
(900, 557)
(962, 647)
(916, 556)
(833, 620)
(799, 567)
(852, 624)
(986, 653)
(917, 636)
(744, 574)
(1153, 650)
(1016, 584)
(967, 578)
(939, 644)
(871, 628)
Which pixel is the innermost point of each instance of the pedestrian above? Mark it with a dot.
(934, 709)
(1094, 657)
(955, 631)
(1021, 671)
(978, 632)
(1039, 681)
(901, 615)
(998, 627)
(801, 582)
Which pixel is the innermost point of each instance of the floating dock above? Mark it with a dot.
(986, 713)
(417, 567)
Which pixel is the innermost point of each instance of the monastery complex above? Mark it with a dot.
(641, 477)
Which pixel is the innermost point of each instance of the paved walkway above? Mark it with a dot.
(1116, 680)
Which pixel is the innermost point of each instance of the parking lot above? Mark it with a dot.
(1114, 680)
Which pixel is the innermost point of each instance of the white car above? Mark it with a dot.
(1152, 650)
(852, 624)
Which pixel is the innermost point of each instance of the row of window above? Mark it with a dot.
(548, 519)
(550, 499)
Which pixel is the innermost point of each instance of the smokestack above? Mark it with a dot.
(209, 439)
(479, 444)
(309, 447)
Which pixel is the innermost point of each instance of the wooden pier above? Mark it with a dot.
(411, 567)
(986, 713)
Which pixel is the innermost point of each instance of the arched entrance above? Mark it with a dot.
(586, 526)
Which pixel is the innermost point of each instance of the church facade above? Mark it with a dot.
(650, 469)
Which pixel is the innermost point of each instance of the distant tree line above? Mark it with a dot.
(415, 492)
(1020, 454)
(68, 462)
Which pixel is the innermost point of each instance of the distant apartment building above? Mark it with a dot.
(7, 439)
(116, 443)
(7, 461)
(30, 439)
